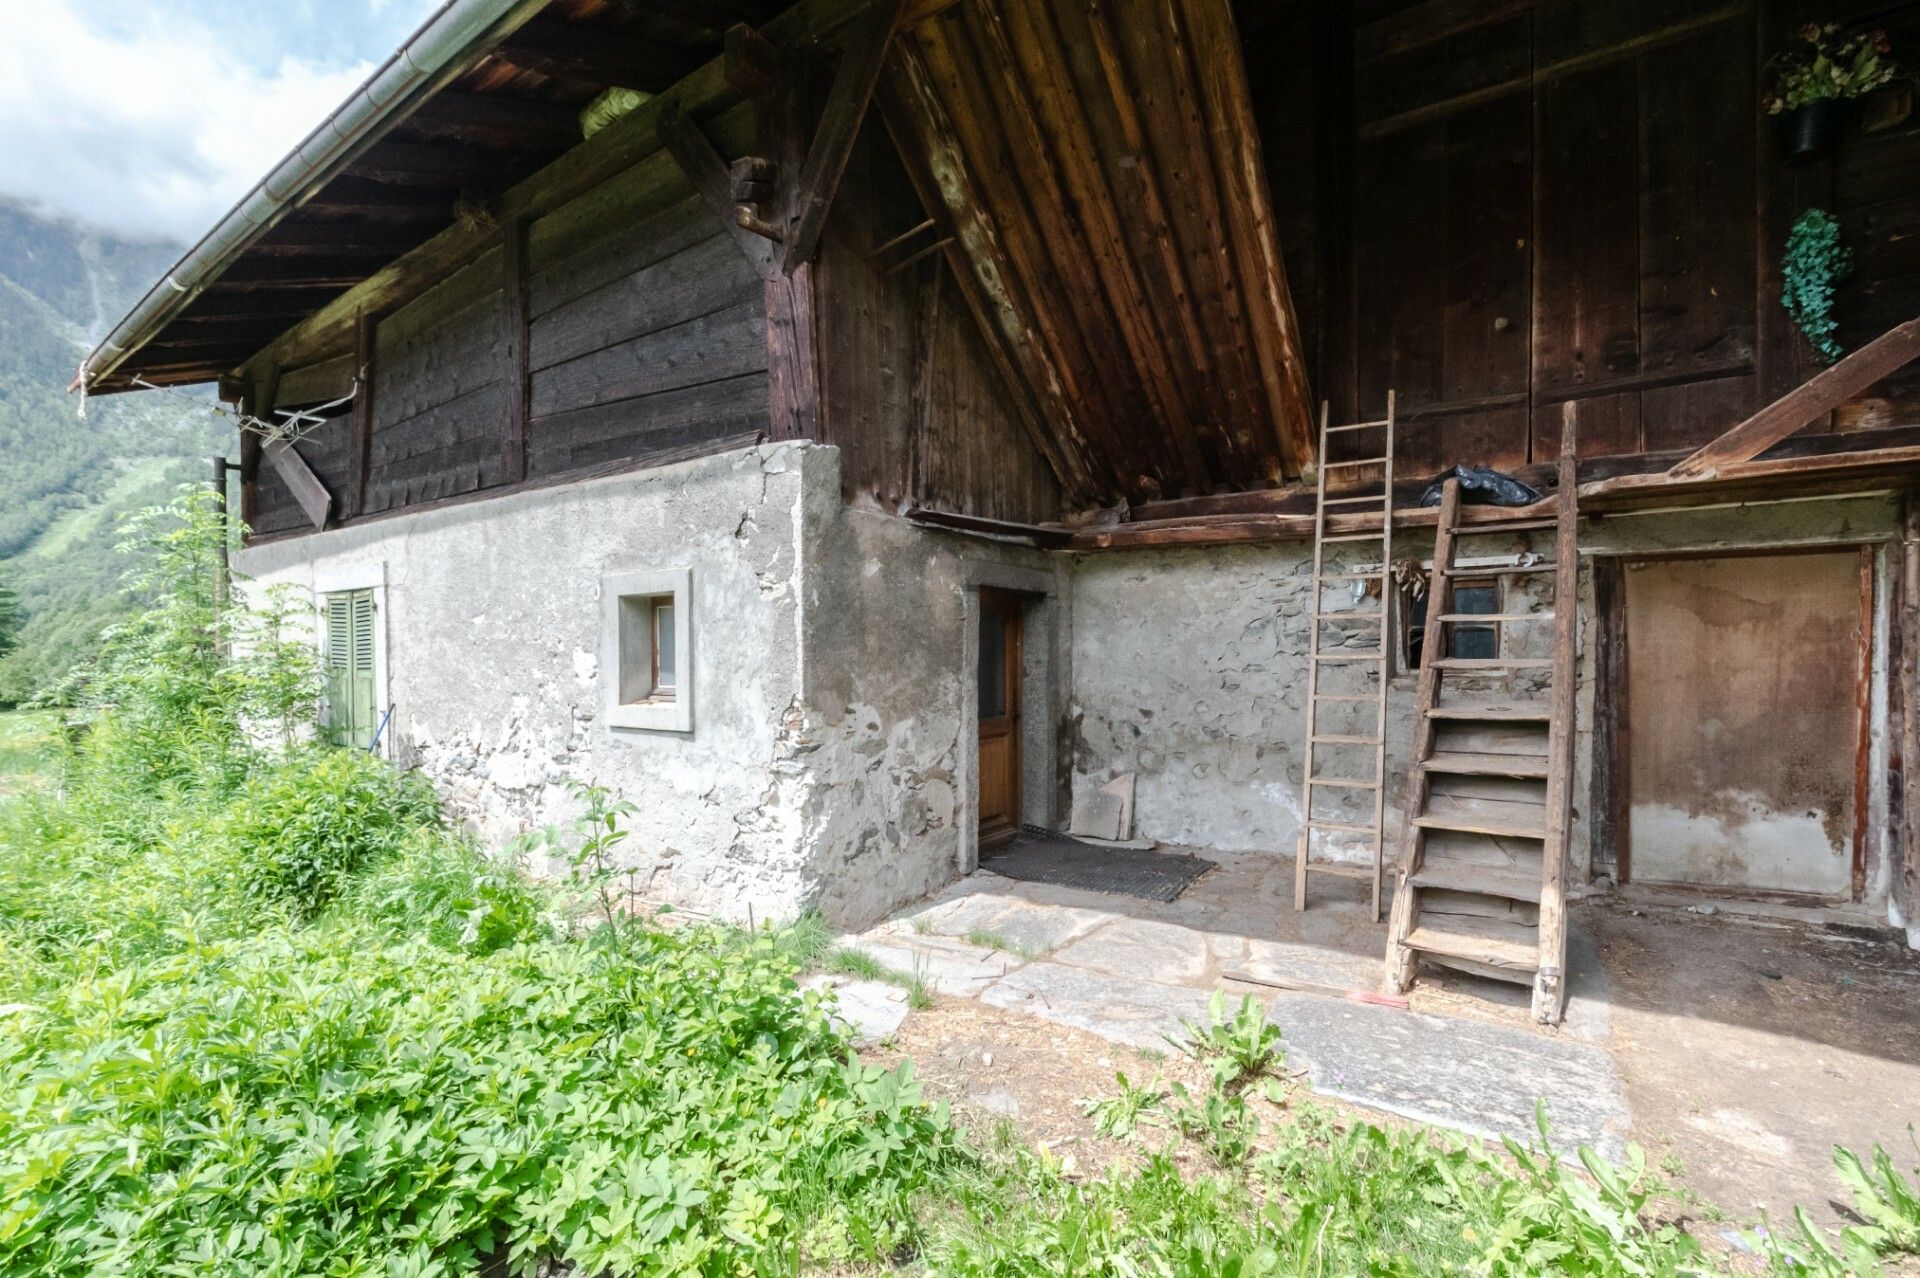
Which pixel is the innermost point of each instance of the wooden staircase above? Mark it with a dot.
(1483, 852)
(1357, 742)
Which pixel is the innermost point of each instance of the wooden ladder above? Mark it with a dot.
(1357, 512)
(1483, 853)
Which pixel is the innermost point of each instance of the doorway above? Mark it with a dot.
(1744, 733)
(998, 688)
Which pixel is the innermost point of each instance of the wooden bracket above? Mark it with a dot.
(752, 65)
(307, 489)
(713, 180)
(847, 102)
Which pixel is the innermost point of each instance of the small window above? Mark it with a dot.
(1465, 639)
(352, 701)
(644, 650)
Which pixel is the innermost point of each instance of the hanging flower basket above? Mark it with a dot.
(1816, 80)
(1809, 129)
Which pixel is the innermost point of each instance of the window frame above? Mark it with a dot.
(1409, 659)
(632, 696)
(349, 578)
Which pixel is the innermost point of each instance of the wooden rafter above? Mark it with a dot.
(596, 55)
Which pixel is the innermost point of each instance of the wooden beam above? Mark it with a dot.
(360, 436)
(793, 319)
(713, 181)
(596, 55)
(307, 489)
(518, 372)
(259, 402)
(853, 86)
(1820, 394)
(753, 66)
(447, 162)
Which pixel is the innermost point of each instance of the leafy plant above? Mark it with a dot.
(1116, 1117)
(1882, 1197)
(1813, 266)
(1824, 63)
(1235, 1049)
(299, 831)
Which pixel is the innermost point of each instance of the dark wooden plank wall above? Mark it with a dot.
(646, 334)
(1515, 204)
(910, 392)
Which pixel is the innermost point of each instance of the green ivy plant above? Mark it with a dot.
(1814, 264)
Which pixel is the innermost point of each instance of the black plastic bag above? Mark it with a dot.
(1482, 486)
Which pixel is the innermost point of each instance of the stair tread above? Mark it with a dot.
(1493, 663)
(1496, 711)
(1342, 738)
(1513, 947)
(1484, 816)
(1487, 880)
(1474, 763)
(1348, 827)
(1545, 614)
(1340, 869)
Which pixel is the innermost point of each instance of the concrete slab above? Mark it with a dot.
(1141, 949)
(947, 966)
(1477, 1078)
(1131, 1011)
(872, 1011)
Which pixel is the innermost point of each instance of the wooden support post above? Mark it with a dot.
(513, 286)
(793, 335)
(360, 436)
(222, 567)
(826, 157)
(258, 403)
(1549, 982)
(1906, 624)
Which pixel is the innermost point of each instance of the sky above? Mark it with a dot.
(151, 118)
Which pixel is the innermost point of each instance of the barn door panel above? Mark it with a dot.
(1745, 679)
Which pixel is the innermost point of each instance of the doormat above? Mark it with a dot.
(1044, 856)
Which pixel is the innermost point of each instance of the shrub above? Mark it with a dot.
(300, 829)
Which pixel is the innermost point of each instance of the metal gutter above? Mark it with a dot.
(441, 49)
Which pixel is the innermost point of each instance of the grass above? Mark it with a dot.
(994, 941)
(862, 965)
(28, 740)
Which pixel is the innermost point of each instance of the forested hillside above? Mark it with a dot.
(65, 481)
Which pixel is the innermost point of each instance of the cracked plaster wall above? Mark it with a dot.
(891, 645)
(1189, 669)
(492, 626)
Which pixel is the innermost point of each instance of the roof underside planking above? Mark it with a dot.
(511, 114)
(1100, 170)
(1096, 168)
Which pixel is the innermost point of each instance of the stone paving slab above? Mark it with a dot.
(872, 1011)
(1468, 1075)
(1312, 964)
(1032, 928)
(947, 966)
(1143, 950)
(1131, 1011)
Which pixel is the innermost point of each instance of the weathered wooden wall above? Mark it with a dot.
(1513, 205)
(911, 393)
(645, 333)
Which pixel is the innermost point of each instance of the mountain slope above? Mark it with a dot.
(65, 481)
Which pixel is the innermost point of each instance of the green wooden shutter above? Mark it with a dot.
(351, 698)
(361, 669)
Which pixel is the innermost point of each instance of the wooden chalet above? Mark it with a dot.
(899, 418)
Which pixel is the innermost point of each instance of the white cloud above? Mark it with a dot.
(154, 128)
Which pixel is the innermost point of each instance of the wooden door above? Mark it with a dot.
(1746, 683)
(998, 689)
